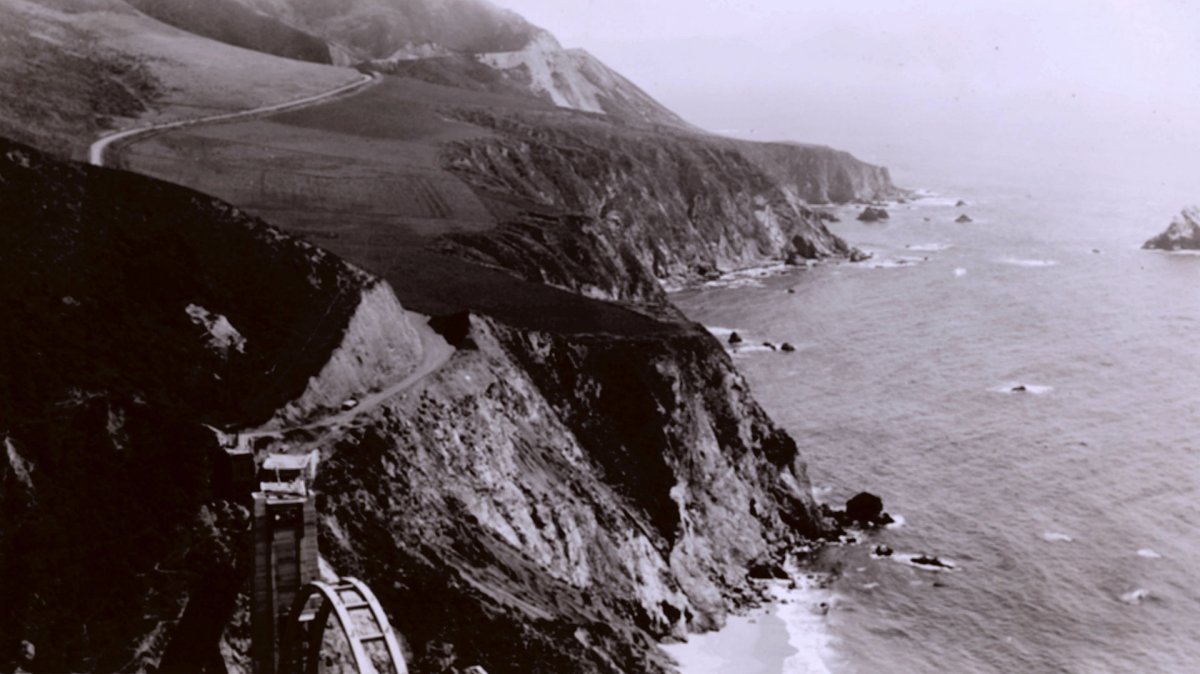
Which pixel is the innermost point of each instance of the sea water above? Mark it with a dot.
(1070, 509)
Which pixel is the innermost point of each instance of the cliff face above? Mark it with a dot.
(551, 503)
(821, 175)
(1183, 234)
(135, 313)
(684, 205)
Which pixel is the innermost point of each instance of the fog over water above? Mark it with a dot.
(937, 90)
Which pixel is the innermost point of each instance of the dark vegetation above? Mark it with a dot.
(107, 518)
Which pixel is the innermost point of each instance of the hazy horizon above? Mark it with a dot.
(931, 89)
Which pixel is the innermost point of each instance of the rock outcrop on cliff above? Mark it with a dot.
(1182, 234)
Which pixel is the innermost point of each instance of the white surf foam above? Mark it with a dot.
(1148, 554)
(1025, 262)
(935, 200)
(805, 613)
(897, 522)
(1136, 596)
(929, 247)
(896, 262)
(801, 604)
(721, 332)
(734, 282)
(1056, 537)
(960, 272)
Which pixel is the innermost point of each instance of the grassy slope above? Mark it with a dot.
(362, 177)
(231, 22)
(71, 69)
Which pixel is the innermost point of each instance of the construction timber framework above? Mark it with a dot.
(290, 605)
(373, 645)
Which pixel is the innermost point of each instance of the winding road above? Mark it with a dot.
(435, 351)
(98, 149)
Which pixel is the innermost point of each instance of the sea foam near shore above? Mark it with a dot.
(788, 635)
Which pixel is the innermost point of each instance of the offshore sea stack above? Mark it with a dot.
(1182, 234)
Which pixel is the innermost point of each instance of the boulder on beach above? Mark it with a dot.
(735, 338)
(1183, 234)
(963, 219)
(873, 214)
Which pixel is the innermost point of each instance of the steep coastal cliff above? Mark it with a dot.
(555, 503)
(683, 205)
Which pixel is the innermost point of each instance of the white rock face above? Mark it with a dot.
(222, 336)
(1184, 232)
(380, 345)
(577, 80)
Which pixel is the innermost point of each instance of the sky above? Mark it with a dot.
(1100, 85)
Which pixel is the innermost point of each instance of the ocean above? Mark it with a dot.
(1069, 510)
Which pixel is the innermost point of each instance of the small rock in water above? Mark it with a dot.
(873, 214)
(857, 255)
(1096, 251)
(960, 204)
(926, 560)
(866, 508)
(735, 338)
(963, 219)
(787, 347)
(769, 345)
(883, 551)
(1019, 388)
(791, 291)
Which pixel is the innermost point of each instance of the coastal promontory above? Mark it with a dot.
(1183, 234)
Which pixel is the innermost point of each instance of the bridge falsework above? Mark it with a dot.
(373, 645)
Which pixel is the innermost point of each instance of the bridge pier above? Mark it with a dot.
(285, 556)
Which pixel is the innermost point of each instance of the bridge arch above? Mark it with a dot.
(373, 646)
